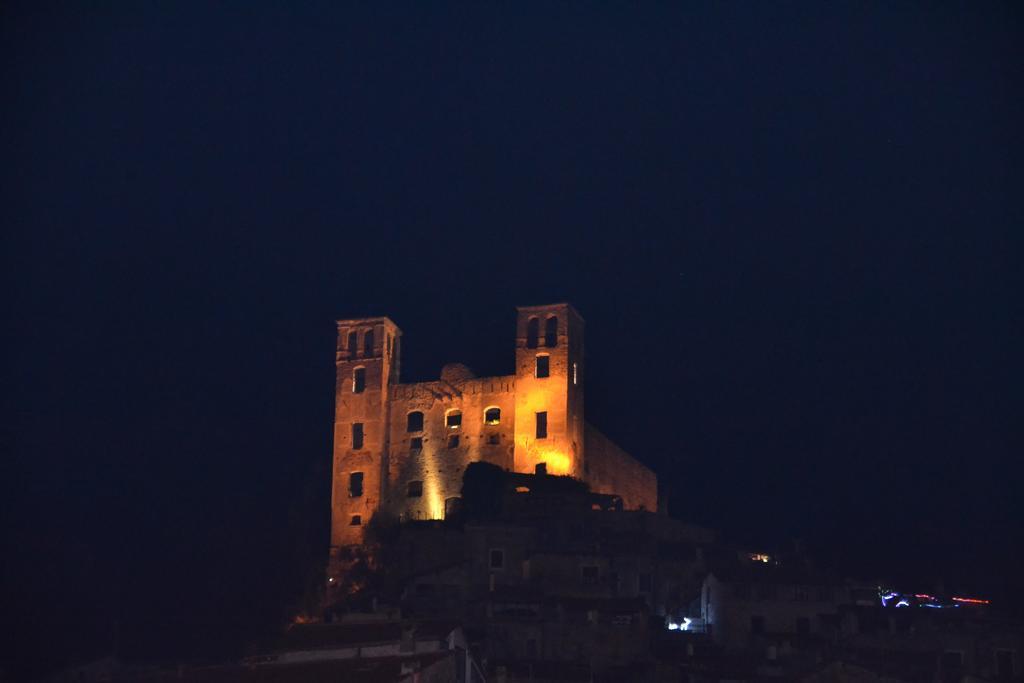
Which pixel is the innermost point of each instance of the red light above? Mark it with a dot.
(973, 601)
(923, 596)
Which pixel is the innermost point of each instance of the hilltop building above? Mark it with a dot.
(403, 448)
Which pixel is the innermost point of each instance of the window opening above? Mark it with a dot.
(532, 333)
(497, 558)
(492, 416)
(414, 489)
(543, 367)
(414, 422)
(358, 380)
(416, 443)
(368, 343)
(542, 425)
(355, 484)
(357, 520)
(453, 420)
(453, 441)
(551, 332)
(357, 435)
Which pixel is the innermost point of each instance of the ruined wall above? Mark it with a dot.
(613, 470)
(439, 467)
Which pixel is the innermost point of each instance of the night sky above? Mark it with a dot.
(793, 231)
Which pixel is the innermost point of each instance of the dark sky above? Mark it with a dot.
(793, 230)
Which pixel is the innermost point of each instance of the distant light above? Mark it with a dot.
(686, 623)
(673, 626)
(924, 596)
(903, 603)
(760, 557)
(973, 601)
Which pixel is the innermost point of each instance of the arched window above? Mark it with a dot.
(532, 331)
(368, 343)
(492, 416)
(353, 343)
(414, 422)
(551, 332)
(453, 419)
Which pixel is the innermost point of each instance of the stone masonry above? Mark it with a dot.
(403, 447)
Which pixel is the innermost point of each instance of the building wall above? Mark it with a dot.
(613, 470)
(439, 467)
(368, 408)
(559, 395)
(388, 462)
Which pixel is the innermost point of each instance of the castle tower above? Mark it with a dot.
(367, 362)
(549, 391)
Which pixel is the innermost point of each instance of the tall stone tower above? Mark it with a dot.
(367, 361)
(549, 390)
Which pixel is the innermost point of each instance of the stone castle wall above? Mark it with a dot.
(437, 465)
(418, 474)
(613, 470)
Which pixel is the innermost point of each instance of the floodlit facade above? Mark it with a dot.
(404, 447)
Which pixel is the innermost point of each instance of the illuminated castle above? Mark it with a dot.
(404, 447)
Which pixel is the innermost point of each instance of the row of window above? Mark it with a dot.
(353, 343)
(452, 419)
(368, 339)
(414, 489)
(416, 442)
(550, 332)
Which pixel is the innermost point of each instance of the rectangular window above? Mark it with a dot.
(453, 420)
(358, 380)
(357, 520)
(543, 366)
(453, 441)
(355, 485)
(416, 443)
(497, 558)
(357, 435)
(493, 439)
(542, 425)
(414, 489)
